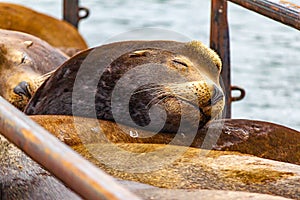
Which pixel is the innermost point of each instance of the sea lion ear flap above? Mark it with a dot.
(139, 53)
(206, 52)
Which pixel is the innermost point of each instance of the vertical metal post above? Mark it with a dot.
(71, 8)
(219, 41)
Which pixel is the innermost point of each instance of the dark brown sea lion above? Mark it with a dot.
(124, 81)
(56, 32)
(24, 63)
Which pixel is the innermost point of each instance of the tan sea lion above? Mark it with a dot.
(24, 63)
(216, 172)
(257, 138)
(128, 78)
(57, 33)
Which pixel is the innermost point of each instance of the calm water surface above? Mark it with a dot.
(265, 54)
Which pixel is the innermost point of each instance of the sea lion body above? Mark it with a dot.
(57, 33)
(172, 75)
(241, 135)
(194, 170)
(24, 58)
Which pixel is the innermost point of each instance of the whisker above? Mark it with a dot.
(161, 100)
(150, 102)
(177, 91)
(43, 77)
(159, 93)
(157, 97)
(185, 99)
(147, 89)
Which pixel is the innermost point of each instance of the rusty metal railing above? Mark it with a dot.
(81, 176)
(283, 11)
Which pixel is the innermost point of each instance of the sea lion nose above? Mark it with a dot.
(217, 95)
(22, 89)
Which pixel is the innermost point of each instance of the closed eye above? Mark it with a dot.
(180, 62)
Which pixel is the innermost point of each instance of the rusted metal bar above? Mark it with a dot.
(72, 12)
(282, 11)
(77, 173)
(219, 41)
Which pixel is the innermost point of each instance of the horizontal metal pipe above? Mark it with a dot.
(77, 173)
(275, 11)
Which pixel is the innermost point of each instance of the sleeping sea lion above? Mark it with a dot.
(57, 33)
(24, 63)
(123, 81)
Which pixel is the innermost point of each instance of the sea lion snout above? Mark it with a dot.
(203, 95)
(23, 89)
(204, 92)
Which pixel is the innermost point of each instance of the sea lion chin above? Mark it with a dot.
(124, 81)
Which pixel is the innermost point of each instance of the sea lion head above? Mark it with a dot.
(24, 61)
(13, 87)
(179, 83)
(186, 77)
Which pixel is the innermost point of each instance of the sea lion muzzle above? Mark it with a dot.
(23, 89)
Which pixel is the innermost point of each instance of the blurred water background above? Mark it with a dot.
(264, 53)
